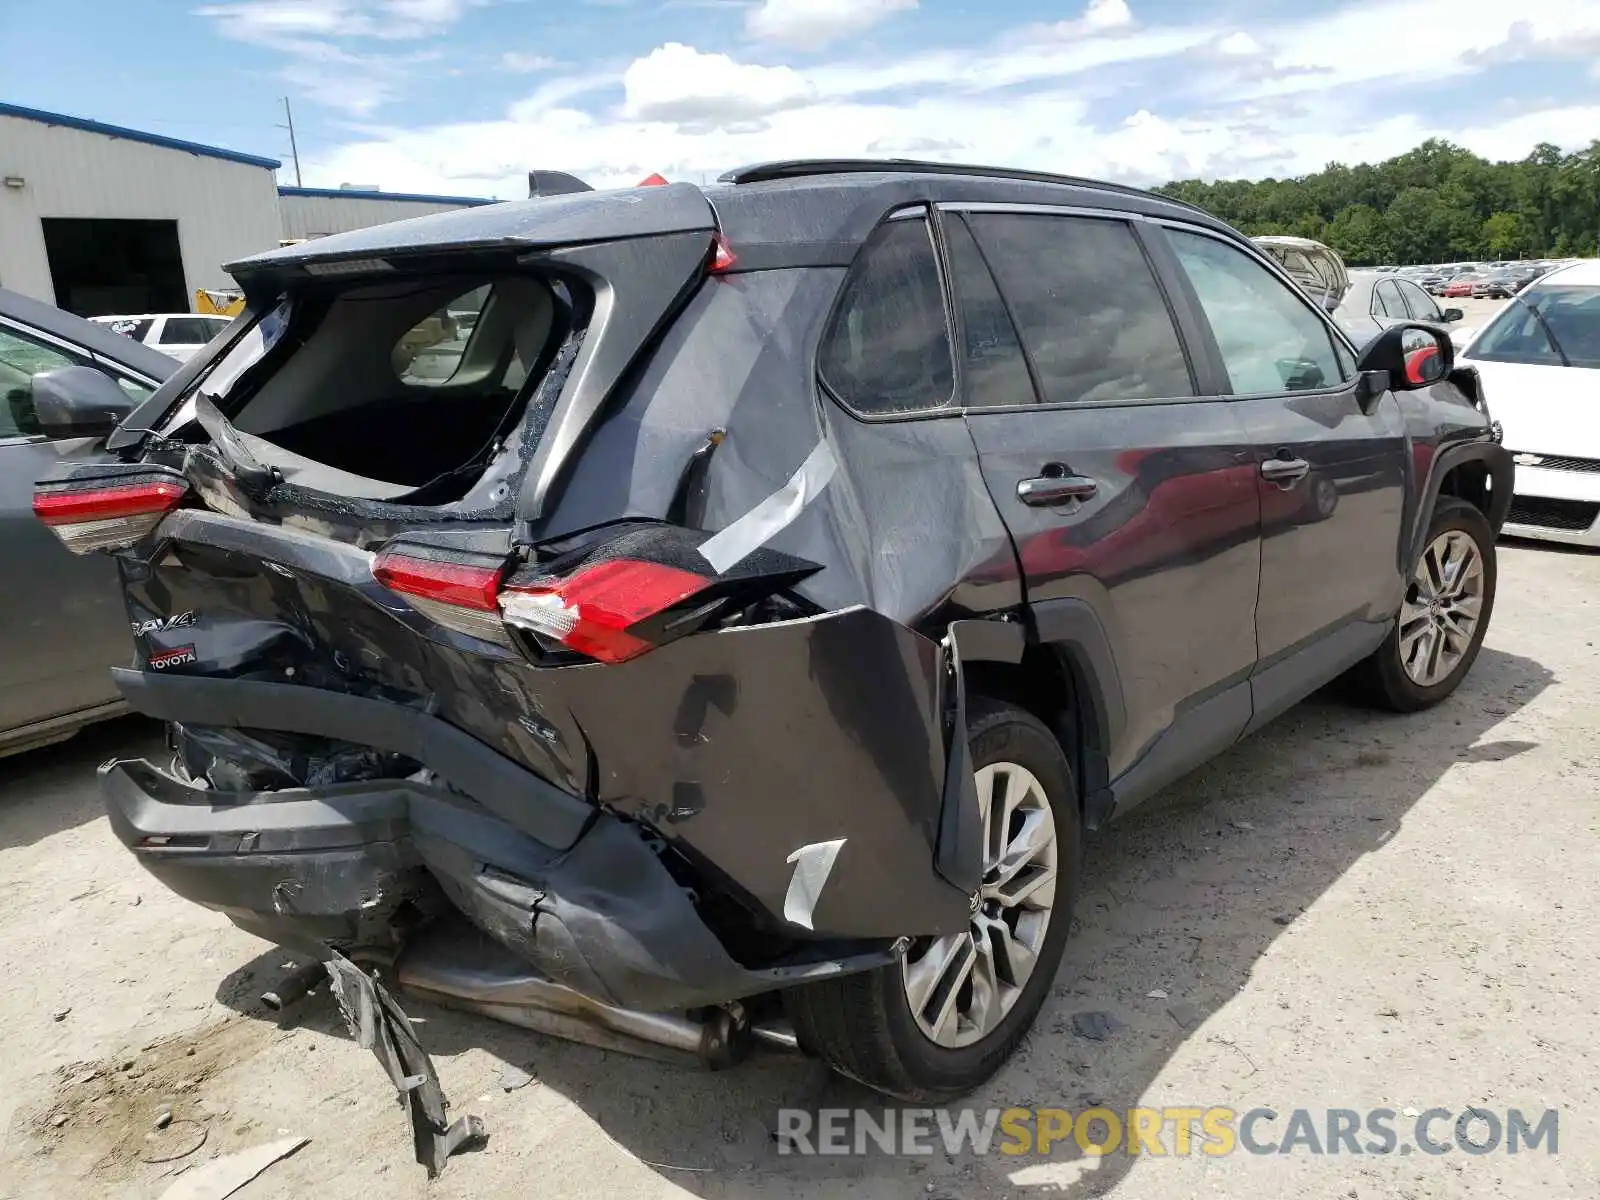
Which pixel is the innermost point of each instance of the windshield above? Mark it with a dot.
(1545, 326)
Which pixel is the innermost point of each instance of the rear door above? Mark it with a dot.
(62, 624)
(1331, 470)
(1125, 480)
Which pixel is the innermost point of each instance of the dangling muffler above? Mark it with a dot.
(453, 966)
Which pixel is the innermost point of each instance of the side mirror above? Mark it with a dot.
(1414, 355)
(1451, 315)
(78, 402)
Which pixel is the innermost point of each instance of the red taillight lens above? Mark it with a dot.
(637, 588)
(723, 258)
(459, 596)
(592, 610)
(103, 518)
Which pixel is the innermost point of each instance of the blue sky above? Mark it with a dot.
(463, 96)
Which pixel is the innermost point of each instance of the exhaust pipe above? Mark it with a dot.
(459, 969)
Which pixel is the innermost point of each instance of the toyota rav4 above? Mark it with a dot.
(733, 623)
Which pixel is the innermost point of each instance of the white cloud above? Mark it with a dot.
(678, 83)
(812, 24)
(525, 64)
(1142, 102)
(271, 21)
(314, 35)
(1107, 14)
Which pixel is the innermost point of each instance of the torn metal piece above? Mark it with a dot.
(774, 514)
(222, 1177)
(812, 866)
(379, 1024)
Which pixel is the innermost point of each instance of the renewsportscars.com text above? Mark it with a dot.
(1158, 1132)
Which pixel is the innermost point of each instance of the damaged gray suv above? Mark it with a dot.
(687, 615)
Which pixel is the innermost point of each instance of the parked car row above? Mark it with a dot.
(1481, 280)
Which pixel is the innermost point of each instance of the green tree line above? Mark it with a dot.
(1437, 203)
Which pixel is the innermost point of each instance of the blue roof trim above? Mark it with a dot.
(136, 135)
(355, 194)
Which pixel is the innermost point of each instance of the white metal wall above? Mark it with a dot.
(318, 216)
(225, 210)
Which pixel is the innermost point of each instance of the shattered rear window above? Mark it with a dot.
(403, 390)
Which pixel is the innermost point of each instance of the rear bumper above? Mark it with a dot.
(826, 743)
(360, 866)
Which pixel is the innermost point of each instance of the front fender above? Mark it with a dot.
(1502, 475)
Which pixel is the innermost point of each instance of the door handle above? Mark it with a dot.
(1285, 471)
(1042, 491)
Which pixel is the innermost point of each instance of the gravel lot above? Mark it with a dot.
(1350, 910)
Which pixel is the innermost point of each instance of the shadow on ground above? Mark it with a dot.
(45, 791)
(1183, 896)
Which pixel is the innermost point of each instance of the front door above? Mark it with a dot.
(1129, 492)
(1332, 472)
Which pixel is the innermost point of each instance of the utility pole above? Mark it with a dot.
(294, 150)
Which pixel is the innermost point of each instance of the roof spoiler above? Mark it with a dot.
(554, 183)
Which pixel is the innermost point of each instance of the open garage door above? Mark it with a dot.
(102, 266)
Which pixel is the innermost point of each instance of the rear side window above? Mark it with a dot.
(188, 331)
(887, 349)
(431, 352)
(1092, 318)
(995, 369)
(1270, 340)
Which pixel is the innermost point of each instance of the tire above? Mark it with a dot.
(1383, 679)
(863, 1025)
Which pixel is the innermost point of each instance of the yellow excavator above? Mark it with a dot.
(218, 302)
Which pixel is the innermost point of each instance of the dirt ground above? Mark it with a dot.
(1349, 910)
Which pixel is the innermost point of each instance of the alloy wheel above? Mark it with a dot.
(1442, 608)
(962, 985)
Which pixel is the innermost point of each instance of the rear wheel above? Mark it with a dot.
(945, 1018)
(1443, 619)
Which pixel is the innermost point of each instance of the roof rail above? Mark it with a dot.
(801, 168)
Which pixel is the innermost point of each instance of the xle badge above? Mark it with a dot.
(178, 656)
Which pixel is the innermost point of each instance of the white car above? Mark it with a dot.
(1540, 362)
(179, 335)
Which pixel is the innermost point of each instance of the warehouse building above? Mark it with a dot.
(317, 212)
(99, 219)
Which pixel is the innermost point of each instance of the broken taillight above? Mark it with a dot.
(635, 588)
(458, 595)
(591, 610)
(107, 511)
